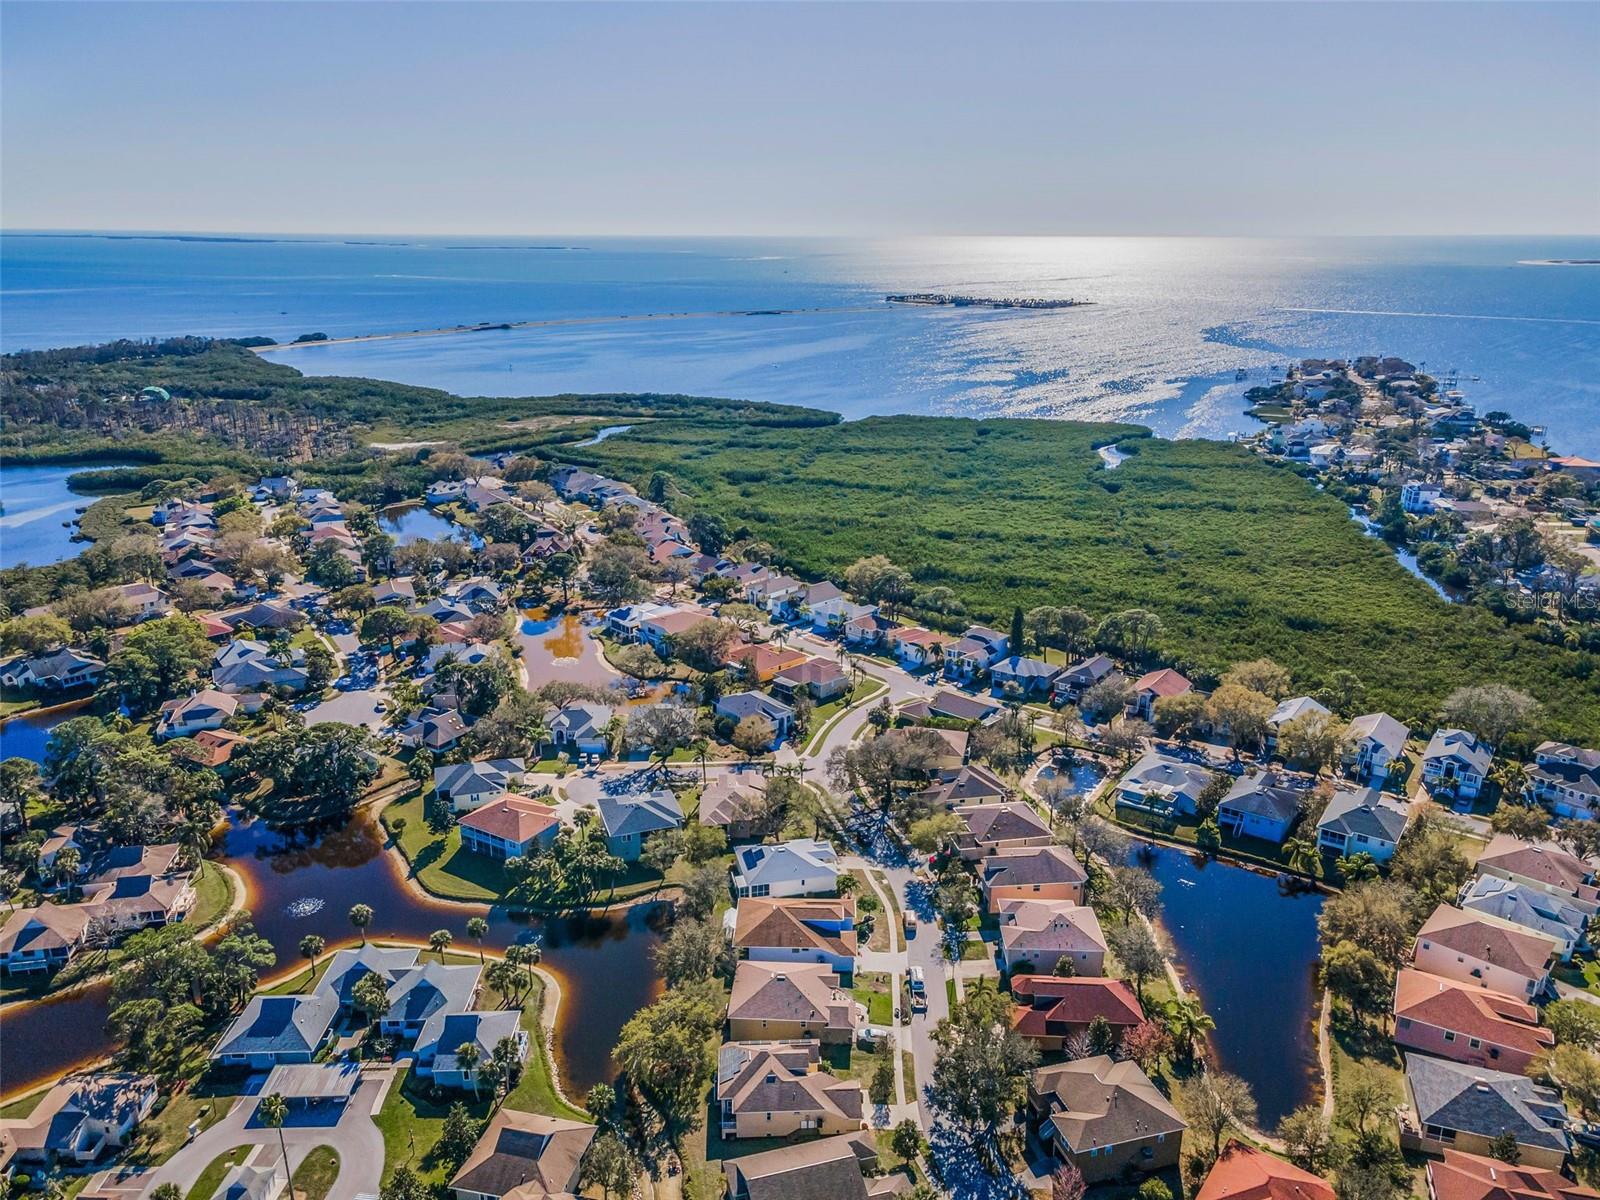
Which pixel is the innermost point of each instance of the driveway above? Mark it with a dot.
(352, 1135)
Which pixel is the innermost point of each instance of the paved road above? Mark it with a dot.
(352, 708)
(353, 1137)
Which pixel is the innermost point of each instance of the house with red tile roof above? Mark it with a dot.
(1462, 1176)
(1244, 1173)
(509, 826)
(1484, 952)
(1157, 685)
(809, 930)
(1466, 1024)
(1051, 1009)
(761, 663)
(1031, 873)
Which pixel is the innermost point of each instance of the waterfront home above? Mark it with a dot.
(350, 966)
(277, 1029)
(1562, 919)
(210, 747)
(775, 1089)
(625, 623)
(917, 648)
(1031, 678)
(776, 1000)
(1051, 1010)
(1161, 784)
(464, 786)
(797, 931)
(42, 937)
(524, 1156)
(1289, 710)
(1157, 685)
(206, 709)
(989, 828)
(1244, 1173)
(1419, 497)
(629, 820)
(1072, 683)
(1585, 470)
(951, 706)
(1566, 779)
(580, 727)
(970, 784)
(1031, 873)
(760, 663)
(739, 705)
(1362, 821)
(433, 988)
(802, 867)
(442, 1036)
(1455, 763)
(736, 803)
(58, 670)
(830, 1168)
(1371, 742)
(509, 826)
(1035, 935)
(658, 631)
(1484, 952)
(1543, 865)
(1452, 1105)
(131, 902)
(971, 655)
(1104, 1117)
(1462, 1176)
(76, 1121)
(1263, 806)
(1466, 1024)
(824, 679)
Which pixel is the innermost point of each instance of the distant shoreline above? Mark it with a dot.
(1558, 262)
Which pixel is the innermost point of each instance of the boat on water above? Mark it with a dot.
(1240, 375)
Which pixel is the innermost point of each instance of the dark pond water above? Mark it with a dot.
(36, 527)
(1248, 946)
(408, 523)
(25, 736)
(296, 888)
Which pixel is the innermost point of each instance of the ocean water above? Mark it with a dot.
(804, 321)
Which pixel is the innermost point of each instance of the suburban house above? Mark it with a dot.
(581, 727)
(1462, 1176)
(1542, 865)
(185, 717)
(1244, 1173)
(144, 600)
(1453, 1106)
(1051, 1010)
(1161, 784)
(951, 706)
(1104, 1117)
(658, 631)
(916, 647)
(760, 663)
(464, 786)
(511, 826)
(783, 1001)
(1456, 763)
(277, 1029)
(1031, 873)
(736, 803)
(395, 591)
(57, 670)
(42, 937)
(1072, 683)
(1292, 710)
(1031, 677)
(211, 747)
(797, 931)
(1157, 685)
(349, 966)
(76, 1121)
(1372, 741)
(774, 1089)
(1484, 952)
(1037, 934)
(830, 1168)
(802, 867)
(1466, 1024)
(990, 828)
(436, 728)
(1363, 821)
(978, 649)
(417, 996)
(1262, 806)
(1566, 779)
(964, 785)
(823, 678)
(1419, 497)
(869, 631)
(524, 1156)
(1562, 919)
(444, 1033)
(739, 705)
(624, 623)
(629, 820)
(247, 665)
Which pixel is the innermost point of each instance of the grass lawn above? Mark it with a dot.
(1358, 1048)
(160, 1136)
(314, 1174)
(950, 992)
(872, 989)
(972, 951)
(211, 1177)
(412, 1123)
(1580, 973)
(822, 716)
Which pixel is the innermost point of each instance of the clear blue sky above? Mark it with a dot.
(802, 118)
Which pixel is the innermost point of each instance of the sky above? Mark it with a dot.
(883, 119)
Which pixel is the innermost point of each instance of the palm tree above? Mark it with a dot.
(477, 929)
(195, 839)
(361, 917)
(700, 748)
(505, 978)
(66, 867)
(1512, 779)
(467, 1056)
(1302, 852)
(439, 941)
(310, 946)
(272, 1112)
(1187, 1022)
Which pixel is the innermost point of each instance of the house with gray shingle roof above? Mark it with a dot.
(1372, 742)
(1032, 677)
(444, 1034)
(1261, 806)
(1456, 763)
(1159, 783)
(628, 820)
(418, 995)
(1363, 821)
(277, 1029)
(347, 968)
(469, 784)
(1560, 918)
(739, 705)
(1566, 779)
(776, 1089)
(1467, 1107)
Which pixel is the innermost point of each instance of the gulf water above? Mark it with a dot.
(804, 321)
